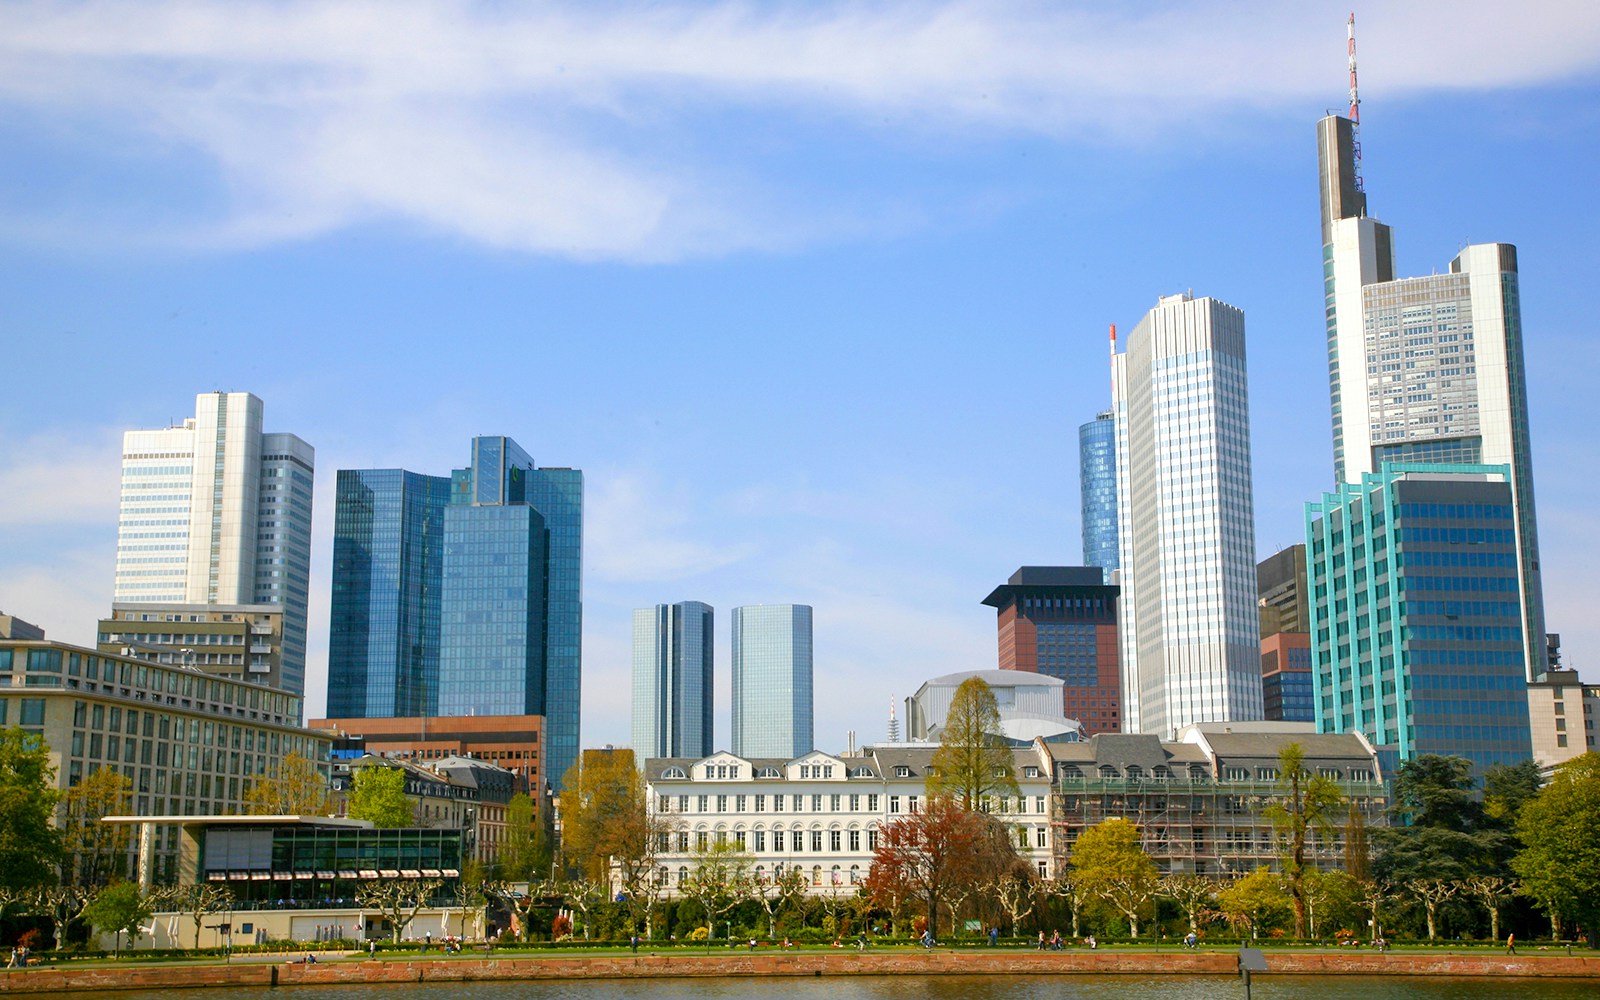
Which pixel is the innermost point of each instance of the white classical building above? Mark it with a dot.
(819, 812)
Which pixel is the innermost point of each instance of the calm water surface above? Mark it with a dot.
(927, 988)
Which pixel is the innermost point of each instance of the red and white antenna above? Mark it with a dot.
(1355, 105)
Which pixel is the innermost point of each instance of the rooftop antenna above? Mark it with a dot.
(894, 724)
(1355, 105)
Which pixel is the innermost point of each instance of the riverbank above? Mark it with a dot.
(57, 979)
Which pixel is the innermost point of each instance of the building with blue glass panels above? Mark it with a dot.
(1416, 614)
(464, 595)
(772, 701)
(673, 680)
(383, 629)
(1097, 485)
(1425, 369)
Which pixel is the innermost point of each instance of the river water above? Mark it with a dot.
(1264, 987)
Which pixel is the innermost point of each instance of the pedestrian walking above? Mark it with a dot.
(994, 936)
(1511, 944)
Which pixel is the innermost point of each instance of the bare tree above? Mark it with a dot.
(1493, 891)
(1076, 892)
(196, 900)
(1017, 892)
(1374, 893)
(1191, 892)
(774, 892)
(582, 894)
(720, 881)
(1433, 891)
(398, 900)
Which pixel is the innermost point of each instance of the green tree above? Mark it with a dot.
(118, 908)
(525, 852)
(1507, 788)
(1109, 863)
(378, 793)
(1439, 830)
(973, 760)
(30, 847)
(1560, 831)
(1437, 791)
(1305, 805)
(95, 853)
(1255, 901)
(299, 788)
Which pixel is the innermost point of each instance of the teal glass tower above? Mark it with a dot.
(772, 699)
(1416, 622)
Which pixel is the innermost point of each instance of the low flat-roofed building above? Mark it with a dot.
(296, 878)
(514, 742)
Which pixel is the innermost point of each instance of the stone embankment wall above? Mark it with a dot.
(835, 963)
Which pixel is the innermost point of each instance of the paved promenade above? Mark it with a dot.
(816, 963)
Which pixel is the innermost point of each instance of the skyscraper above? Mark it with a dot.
(462, 596)
(388, 574)
(215, 512)
(1186, 532)
(1286, 694)
(672, 680)
(1424, 370)
(1097, 484)
(772, 680)
(1061, 621)
(1415, 622)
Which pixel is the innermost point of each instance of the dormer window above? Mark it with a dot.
(1031, 772)
(902, 771)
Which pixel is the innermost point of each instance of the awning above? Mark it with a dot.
(331, 875)
(410, 873)
(238, 876)
(431, 873)
(283, 876)
(348, 874)
(451, 873)
(389, 873)
(368, 873)
(216, 876)
(304, 876)
(261, 876)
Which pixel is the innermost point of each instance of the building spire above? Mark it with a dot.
(894, 724)
(1355, 104)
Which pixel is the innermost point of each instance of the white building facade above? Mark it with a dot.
(213, 511)
(820, 813)
(1186, 523)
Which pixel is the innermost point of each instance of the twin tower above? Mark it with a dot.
(673, 680)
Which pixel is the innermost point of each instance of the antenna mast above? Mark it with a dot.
(1355, 105)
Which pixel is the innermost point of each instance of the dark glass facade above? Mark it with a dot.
(315, 867)
(462, 596)
(1097, 482)
(1416, 613)
(383, 631)
(1061, 621)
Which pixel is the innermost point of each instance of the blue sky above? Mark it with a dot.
(816, 294)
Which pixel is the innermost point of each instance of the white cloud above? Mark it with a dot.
(582, 130)
(56, 478)
(637, 529)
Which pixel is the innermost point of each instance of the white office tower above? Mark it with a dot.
(772, 681)
(1186, 548)
(1424, 370)
(673, 692)
(214, 512)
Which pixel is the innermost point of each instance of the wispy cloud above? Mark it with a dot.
(59, 478)
(638, 529)
(619, 130)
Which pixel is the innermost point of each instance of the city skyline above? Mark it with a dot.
(796, 410)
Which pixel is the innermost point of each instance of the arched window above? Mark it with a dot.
(816, 874)
(673, 772)
(1107, 771)
(1135, 771)
(683, 875)
(838, 877)
(855, 874)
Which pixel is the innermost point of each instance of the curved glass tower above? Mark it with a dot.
(1097, 482)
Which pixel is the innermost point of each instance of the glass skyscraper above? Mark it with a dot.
(672, 680)
(1416, 623)
(388, 574)
(462, 596)
(1424, 370)
(772, 680)
(216, 512)
(1097, 484)
(1186, 532)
